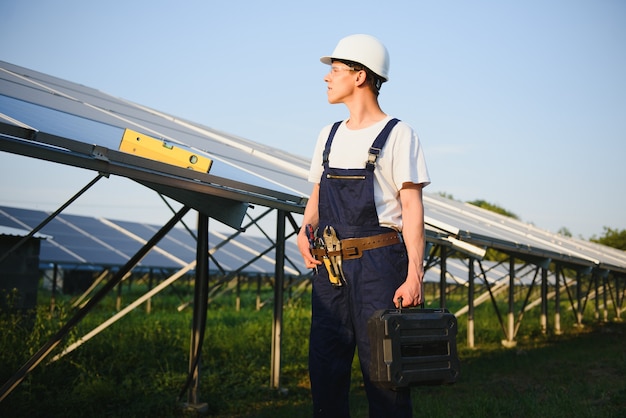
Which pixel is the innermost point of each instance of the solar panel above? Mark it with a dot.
(74, 239)
(486, 228)
(86, 115)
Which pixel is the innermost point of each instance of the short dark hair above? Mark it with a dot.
(372, 79)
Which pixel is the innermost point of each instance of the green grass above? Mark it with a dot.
(137, 367)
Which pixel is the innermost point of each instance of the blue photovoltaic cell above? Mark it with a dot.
(93, 132)
(178, 243)
(60, 123)
(95, 243)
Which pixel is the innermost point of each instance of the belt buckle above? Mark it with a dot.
(351, 252)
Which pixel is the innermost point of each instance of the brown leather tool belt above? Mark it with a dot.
(354, 247)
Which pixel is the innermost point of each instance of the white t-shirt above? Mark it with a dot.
(400, 161)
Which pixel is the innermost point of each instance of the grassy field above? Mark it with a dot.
(137, 367)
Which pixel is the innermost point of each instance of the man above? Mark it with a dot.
(368, 172)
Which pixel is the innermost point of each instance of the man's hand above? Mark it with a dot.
(411, 293)
(304, 247)
(311, 217)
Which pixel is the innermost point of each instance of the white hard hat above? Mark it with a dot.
(365, 50)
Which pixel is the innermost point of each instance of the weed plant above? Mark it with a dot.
(138, 366)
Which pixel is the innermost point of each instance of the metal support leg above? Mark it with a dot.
(543, 321)
(53, 296)
(619, 298)
(557, 300)
(470, 304)
(605, 299)
(579, 304)
(149, 301)
(279, 275)
(200, 306)
(510, 329)
(442, 276)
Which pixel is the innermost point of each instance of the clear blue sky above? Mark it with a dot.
(522, 104)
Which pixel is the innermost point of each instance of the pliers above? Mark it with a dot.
(333, 244)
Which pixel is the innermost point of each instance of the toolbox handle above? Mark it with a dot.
(421, 305)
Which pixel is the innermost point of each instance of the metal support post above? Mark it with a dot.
(543, 320)
(619, 298)
(279, 279)
(258, 292)
(510, 329)
(579, 305)
(605, 299)
(200, 306)
(442, 276)
(53, 296)
(150, 279)
(557, 300)
(470, 304)
(238, 294)
(596, 285)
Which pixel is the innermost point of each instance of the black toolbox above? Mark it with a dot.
(413, 347)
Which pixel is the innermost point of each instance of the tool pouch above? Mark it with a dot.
(333, 260)
(320, 252)
(333, 277)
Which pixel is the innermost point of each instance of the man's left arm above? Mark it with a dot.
(414, 239)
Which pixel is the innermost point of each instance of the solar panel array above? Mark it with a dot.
(72, 240)
(243, 170)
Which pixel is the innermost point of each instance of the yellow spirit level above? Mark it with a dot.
(159, 150)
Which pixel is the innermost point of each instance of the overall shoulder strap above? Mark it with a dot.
(329, 142)
(379, 143)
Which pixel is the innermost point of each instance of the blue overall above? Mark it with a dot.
(339, 315)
